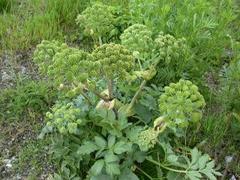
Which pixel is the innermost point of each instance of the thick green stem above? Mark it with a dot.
(87, 98)
(99, 95)
(165, 167)
(110, 89)
(83, 94)
(140, 65)
(134, 99)
(100, 40)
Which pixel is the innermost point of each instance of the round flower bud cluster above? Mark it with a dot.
(112, 60)
(181, 103)
(65, 118)
(69, 65)
(45, 52)
(147, 139)
(96, 21)
(169, 48)
(138, 38)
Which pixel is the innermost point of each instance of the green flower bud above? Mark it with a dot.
(181, 103)
(138, 38)
(97, 20)
(117, 59)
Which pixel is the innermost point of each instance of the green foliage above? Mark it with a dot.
(5, 5)
(29, 98)
(182, 103)
(35, 20)
(138, 38)
(230, 83)
(174, 57)
(205, 25)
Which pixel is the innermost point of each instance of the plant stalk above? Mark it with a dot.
(165, 167)
(100, 40)
(134, 99)
(110, 89)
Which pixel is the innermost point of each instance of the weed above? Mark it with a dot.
(28, 99)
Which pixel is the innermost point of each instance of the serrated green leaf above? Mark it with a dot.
(121, 147)
(194, 175)
(133, 133)
(111, 141)
(97, 167)
(110, 157)
(210, 165)
(112, 169)
(101, 177)
(175, 176)
(57, 177)
(110, 115)
(217, 173)
(87, 148)
(172, 158)
(127, 174)
(209, 174)
(143, 112)
(100, 142)
(139, 156)
(195, 155)
(203, 161)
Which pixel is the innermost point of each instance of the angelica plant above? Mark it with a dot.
(100, 136)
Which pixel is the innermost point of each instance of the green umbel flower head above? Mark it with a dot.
(181, 103)
(44, 53)
(70, 65)
(97, 21)
(138, 38)
(65, 118)
(147, 139)
(170, 49)
(112, 60)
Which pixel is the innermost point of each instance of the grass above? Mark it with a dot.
(28, 100)
(31, 21)
(33, 158)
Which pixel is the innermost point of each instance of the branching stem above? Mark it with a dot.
(165, 167)
(134, 99)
